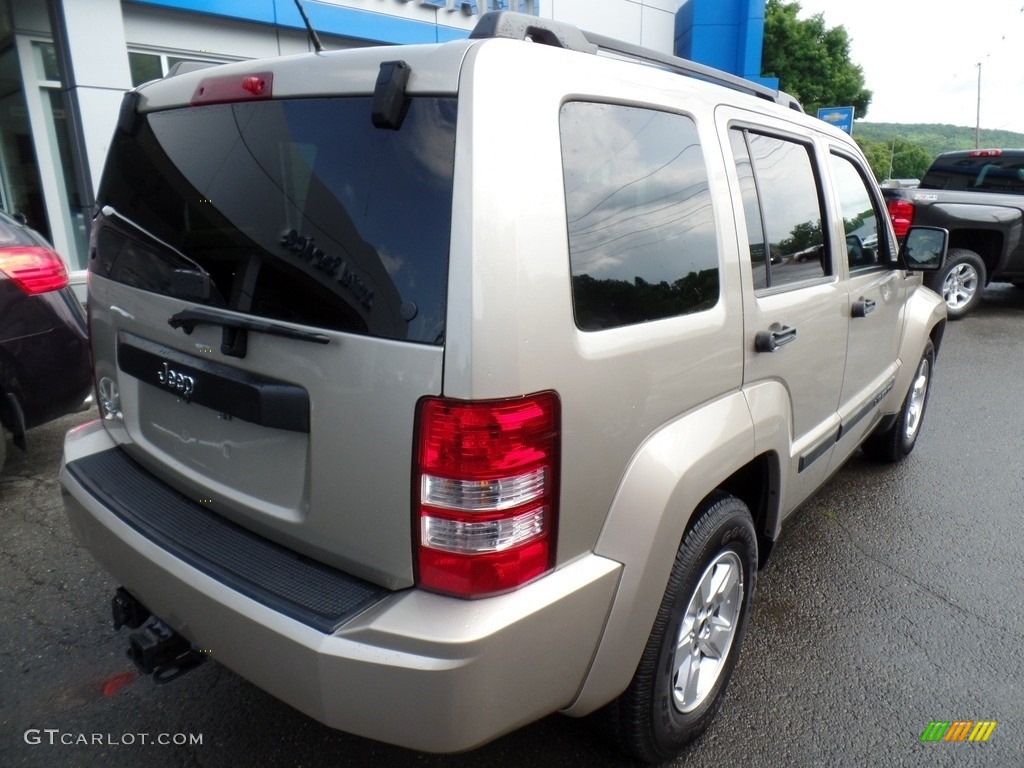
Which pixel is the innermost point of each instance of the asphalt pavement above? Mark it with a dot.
(894, 599)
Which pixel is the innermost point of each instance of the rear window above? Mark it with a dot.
(984, 173)
(296, 210)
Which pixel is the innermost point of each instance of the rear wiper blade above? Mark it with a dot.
(110, 211)
(234, 340)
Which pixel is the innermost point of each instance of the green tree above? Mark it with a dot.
(909, 160)
(898, 158)
(877, 153)
(812, 62)
(805, 235)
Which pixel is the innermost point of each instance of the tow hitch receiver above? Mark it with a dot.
(127, 611)
(154, 647)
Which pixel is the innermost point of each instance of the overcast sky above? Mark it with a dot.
(920, 58)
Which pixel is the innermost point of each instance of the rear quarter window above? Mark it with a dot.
(642, 241)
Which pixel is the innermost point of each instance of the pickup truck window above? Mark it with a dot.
(860, 217)
(782, 207)
(982, 173)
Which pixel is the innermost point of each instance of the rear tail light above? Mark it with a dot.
(34, 269)
(485, 492)
(902, 214)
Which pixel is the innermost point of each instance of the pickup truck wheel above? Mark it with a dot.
(960, 283)
(898, 441)
(681, 679)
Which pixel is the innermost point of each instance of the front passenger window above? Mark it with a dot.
(866, 246)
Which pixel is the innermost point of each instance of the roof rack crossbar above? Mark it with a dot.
(520, 26)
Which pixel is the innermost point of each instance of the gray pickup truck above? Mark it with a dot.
(978, 195)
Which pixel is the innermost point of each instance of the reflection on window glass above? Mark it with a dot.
(751, 209)
(787, 189)
(859, 217)
(642, 242)
(48, 59)
(293, 209)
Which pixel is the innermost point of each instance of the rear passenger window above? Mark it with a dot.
(860, 218)
(642, 242)
(782, 208)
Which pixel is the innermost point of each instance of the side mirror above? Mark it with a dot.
(924, 249)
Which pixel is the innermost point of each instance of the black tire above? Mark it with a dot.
(896, 442)
(648, 719)
(960, 282)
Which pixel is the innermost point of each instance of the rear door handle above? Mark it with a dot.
(863, 307)
(769, 341)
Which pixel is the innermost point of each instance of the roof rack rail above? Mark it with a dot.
(520, 26)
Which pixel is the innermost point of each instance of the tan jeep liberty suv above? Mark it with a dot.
(445, 387)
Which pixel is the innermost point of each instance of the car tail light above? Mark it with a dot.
(985, 153)
(485, 492)
(34, 269)
(902, 214)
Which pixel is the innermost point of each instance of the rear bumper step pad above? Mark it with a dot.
(290, 583)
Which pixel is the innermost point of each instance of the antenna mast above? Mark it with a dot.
(317, 45)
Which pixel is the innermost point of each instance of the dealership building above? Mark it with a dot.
(65, 64)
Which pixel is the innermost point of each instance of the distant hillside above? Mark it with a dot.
(936, 138)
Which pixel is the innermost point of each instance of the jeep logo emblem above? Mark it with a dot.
(181, 383)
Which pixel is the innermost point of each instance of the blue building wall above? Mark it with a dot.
(726, 34)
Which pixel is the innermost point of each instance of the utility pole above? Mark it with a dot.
(977, 123)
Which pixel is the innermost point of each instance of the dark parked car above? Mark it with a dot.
(44, 350)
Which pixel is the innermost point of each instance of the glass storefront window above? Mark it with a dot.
(144, 67)
(77, 215)
(48, 62)
(19, 174)
(152, 66)
(73, 212)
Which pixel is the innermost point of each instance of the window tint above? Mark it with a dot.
(751, 209)
(642, 242)
(296, 210)
(782, 208)
(860, 219)
(984, 171)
